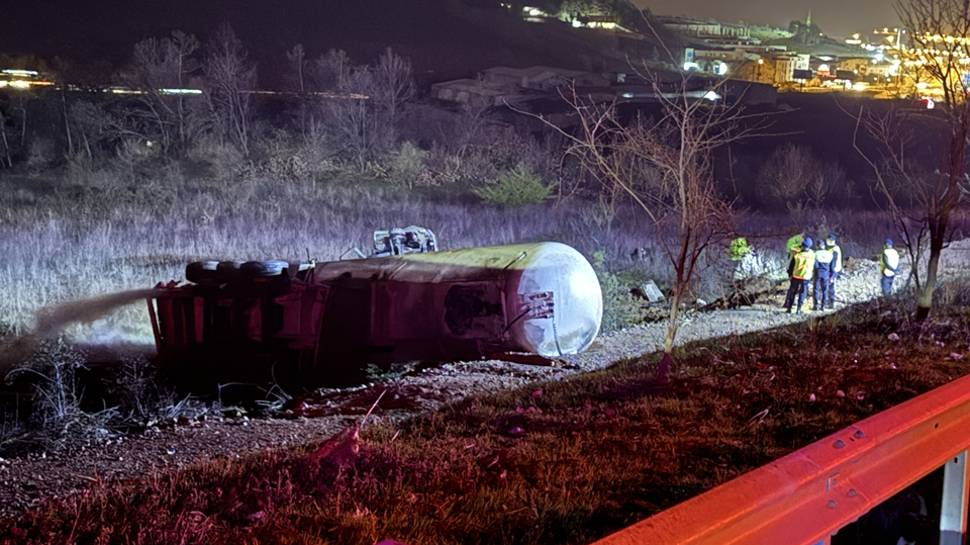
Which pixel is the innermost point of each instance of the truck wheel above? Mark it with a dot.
(263, 269)
(228, 270)
(202, 272)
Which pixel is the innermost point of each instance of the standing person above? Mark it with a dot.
(888, 264)
(823, 276)
(794, 245)
(833, 246)
(803, 264)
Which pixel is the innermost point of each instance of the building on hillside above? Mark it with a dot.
(869, 69)
(705, 28)
(767, 33)
(503, 84)
(541, 78)
(471, 92)
(775, 68)
(602, 22)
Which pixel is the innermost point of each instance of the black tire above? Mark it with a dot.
(228, 270)
(263, 269)
(202, 272)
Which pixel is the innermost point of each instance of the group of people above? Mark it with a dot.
(820, 266)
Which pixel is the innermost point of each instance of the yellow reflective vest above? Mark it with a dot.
(889, 262)
(804, 265)
(794, 244)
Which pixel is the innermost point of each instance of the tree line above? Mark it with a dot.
(362, 111)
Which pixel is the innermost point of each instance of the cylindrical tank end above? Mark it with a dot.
(560, 300)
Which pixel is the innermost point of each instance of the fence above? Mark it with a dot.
(807, 496)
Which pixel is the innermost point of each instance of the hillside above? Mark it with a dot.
(445, 38)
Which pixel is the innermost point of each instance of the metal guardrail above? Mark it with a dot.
(807, 496)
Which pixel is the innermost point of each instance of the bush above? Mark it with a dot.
(738, 249)
(620, 308)
(407, 166)
(515, 187)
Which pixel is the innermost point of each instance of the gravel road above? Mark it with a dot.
(31, 480)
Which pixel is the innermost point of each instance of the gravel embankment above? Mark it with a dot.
(28, 481)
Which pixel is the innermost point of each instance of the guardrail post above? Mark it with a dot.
(953, 516)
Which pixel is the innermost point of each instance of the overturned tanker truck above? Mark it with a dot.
(325, 320)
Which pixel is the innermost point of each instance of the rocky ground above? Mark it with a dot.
(32, 479)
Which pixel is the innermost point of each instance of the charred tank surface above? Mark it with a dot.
(326, 318)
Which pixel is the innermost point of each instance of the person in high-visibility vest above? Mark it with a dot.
(793, 245)
(802, 268)
(888, 265)
(832, 244)
(823, 276)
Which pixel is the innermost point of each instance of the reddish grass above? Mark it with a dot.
(564, 462)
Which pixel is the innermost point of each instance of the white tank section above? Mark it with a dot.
(560, 294)
(553, 301)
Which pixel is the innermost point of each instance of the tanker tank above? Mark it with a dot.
(333, 317)
(543, 298)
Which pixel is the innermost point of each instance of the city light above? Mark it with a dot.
(20, 73)
(180, 91)
(18, 84)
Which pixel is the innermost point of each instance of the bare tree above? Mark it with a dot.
(354, 121)
(90, 122)
(296, 58)
(161, 69)
(230, 78)
(794, 179)
(665, 166)
(6, 159)
(364, 120)
(330, 70)
(939, 31)
(393, 84)
(13, 116)
(297, 64)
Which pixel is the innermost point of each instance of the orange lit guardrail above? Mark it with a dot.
(807, 496)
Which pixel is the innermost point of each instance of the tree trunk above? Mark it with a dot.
(3, 140)
(67, 125)
(674, 320)
(925, 300)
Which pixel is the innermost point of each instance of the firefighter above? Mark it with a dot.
(888, 265)
(823, 276)
(803, 264)
(833, 246)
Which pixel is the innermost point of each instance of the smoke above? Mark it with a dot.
(51, 320)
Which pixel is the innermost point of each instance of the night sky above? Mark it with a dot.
(106, 29)
(836, 17)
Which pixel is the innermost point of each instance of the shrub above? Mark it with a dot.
(620, 308)
(515, 187)
(738, 249)
(42, 154)
(57, 415)
(407, 166)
